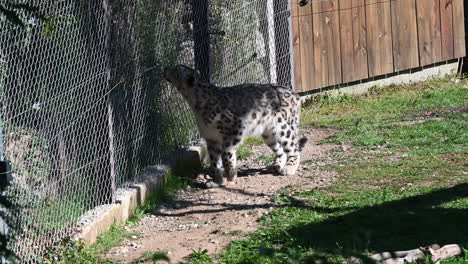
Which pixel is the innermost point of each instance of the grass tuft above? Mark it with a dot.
(245, 150)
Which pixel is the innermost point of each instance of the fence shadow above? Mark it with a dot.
(397, 225)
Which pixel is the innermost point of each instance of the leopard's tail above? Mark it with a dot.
(301, 143)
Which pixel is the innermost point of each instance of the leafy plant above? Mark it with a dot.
(199, 256)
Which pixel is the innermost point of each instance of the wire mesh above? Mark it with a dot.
(85, 108)
(254, 45)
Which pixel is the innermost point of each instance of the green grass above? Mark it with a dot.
(367, 120)
(69, 251)
(265, 159)
(199, 256)
(245, 150)
(402, 186)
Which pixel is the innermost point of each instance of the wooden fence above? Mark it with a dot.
(341, 41)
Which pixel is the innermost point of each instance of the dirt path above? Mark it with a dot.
(210, 218)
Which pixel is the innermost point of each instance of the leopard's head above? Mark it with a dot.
(182, 77)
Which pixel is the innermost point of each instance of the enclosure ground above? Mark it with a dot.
(382, 172)
(201, 218)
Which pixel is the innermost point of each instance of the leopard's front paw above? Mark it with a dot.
(289, 170)
(231, 175)
(218, 176)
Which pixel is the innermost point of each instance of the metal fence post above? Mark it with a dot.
(463, 62)
(282, 12)
(271, 40)
(3, 224)
(201, 37)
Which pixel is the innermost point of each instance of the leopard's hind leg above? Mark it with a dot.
(271, 138)
(292, 145)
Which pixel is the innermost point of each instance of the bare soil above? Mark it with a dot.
(210, 218)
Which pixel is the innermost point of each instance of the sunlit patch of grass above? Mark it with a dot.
(403, 186)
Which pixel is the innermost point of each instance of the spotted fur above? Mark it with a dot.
(227, 115)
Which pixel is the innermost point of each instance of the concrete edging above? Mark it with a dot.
(128, 199)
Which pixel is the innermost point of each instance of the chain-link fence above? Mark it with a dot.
(85, 109)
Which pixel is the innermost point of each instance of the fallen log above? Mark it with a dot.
(435, 252)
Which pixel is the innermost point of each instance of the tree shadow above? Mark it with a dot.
(255, 172)
(224, 206)
(397, 225)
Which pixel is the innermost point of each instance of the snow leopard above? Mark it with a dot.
(225, 116)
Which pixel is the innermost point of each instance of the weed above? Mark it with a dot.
(199, 256)
(245, 149)
(71, 251)
(244, 153)
(265, 160)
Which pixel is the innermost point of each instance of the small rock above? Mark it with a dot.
(177, 205)
(455, 80)
(211, 184)
(465, 86)
(134, 237)
(200, 176)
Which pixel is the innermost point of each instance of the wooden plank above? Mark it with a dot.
(327, 53)
(325, 6)
(379, 38)
(353, 40)
(459, 29)
(347, 42)
(296, 48)
(320, 60)
(306, 44)
(429, 36)
(446, 29)
(404, 34)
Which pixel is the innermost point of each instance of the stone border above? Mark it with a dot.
(100, 219)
